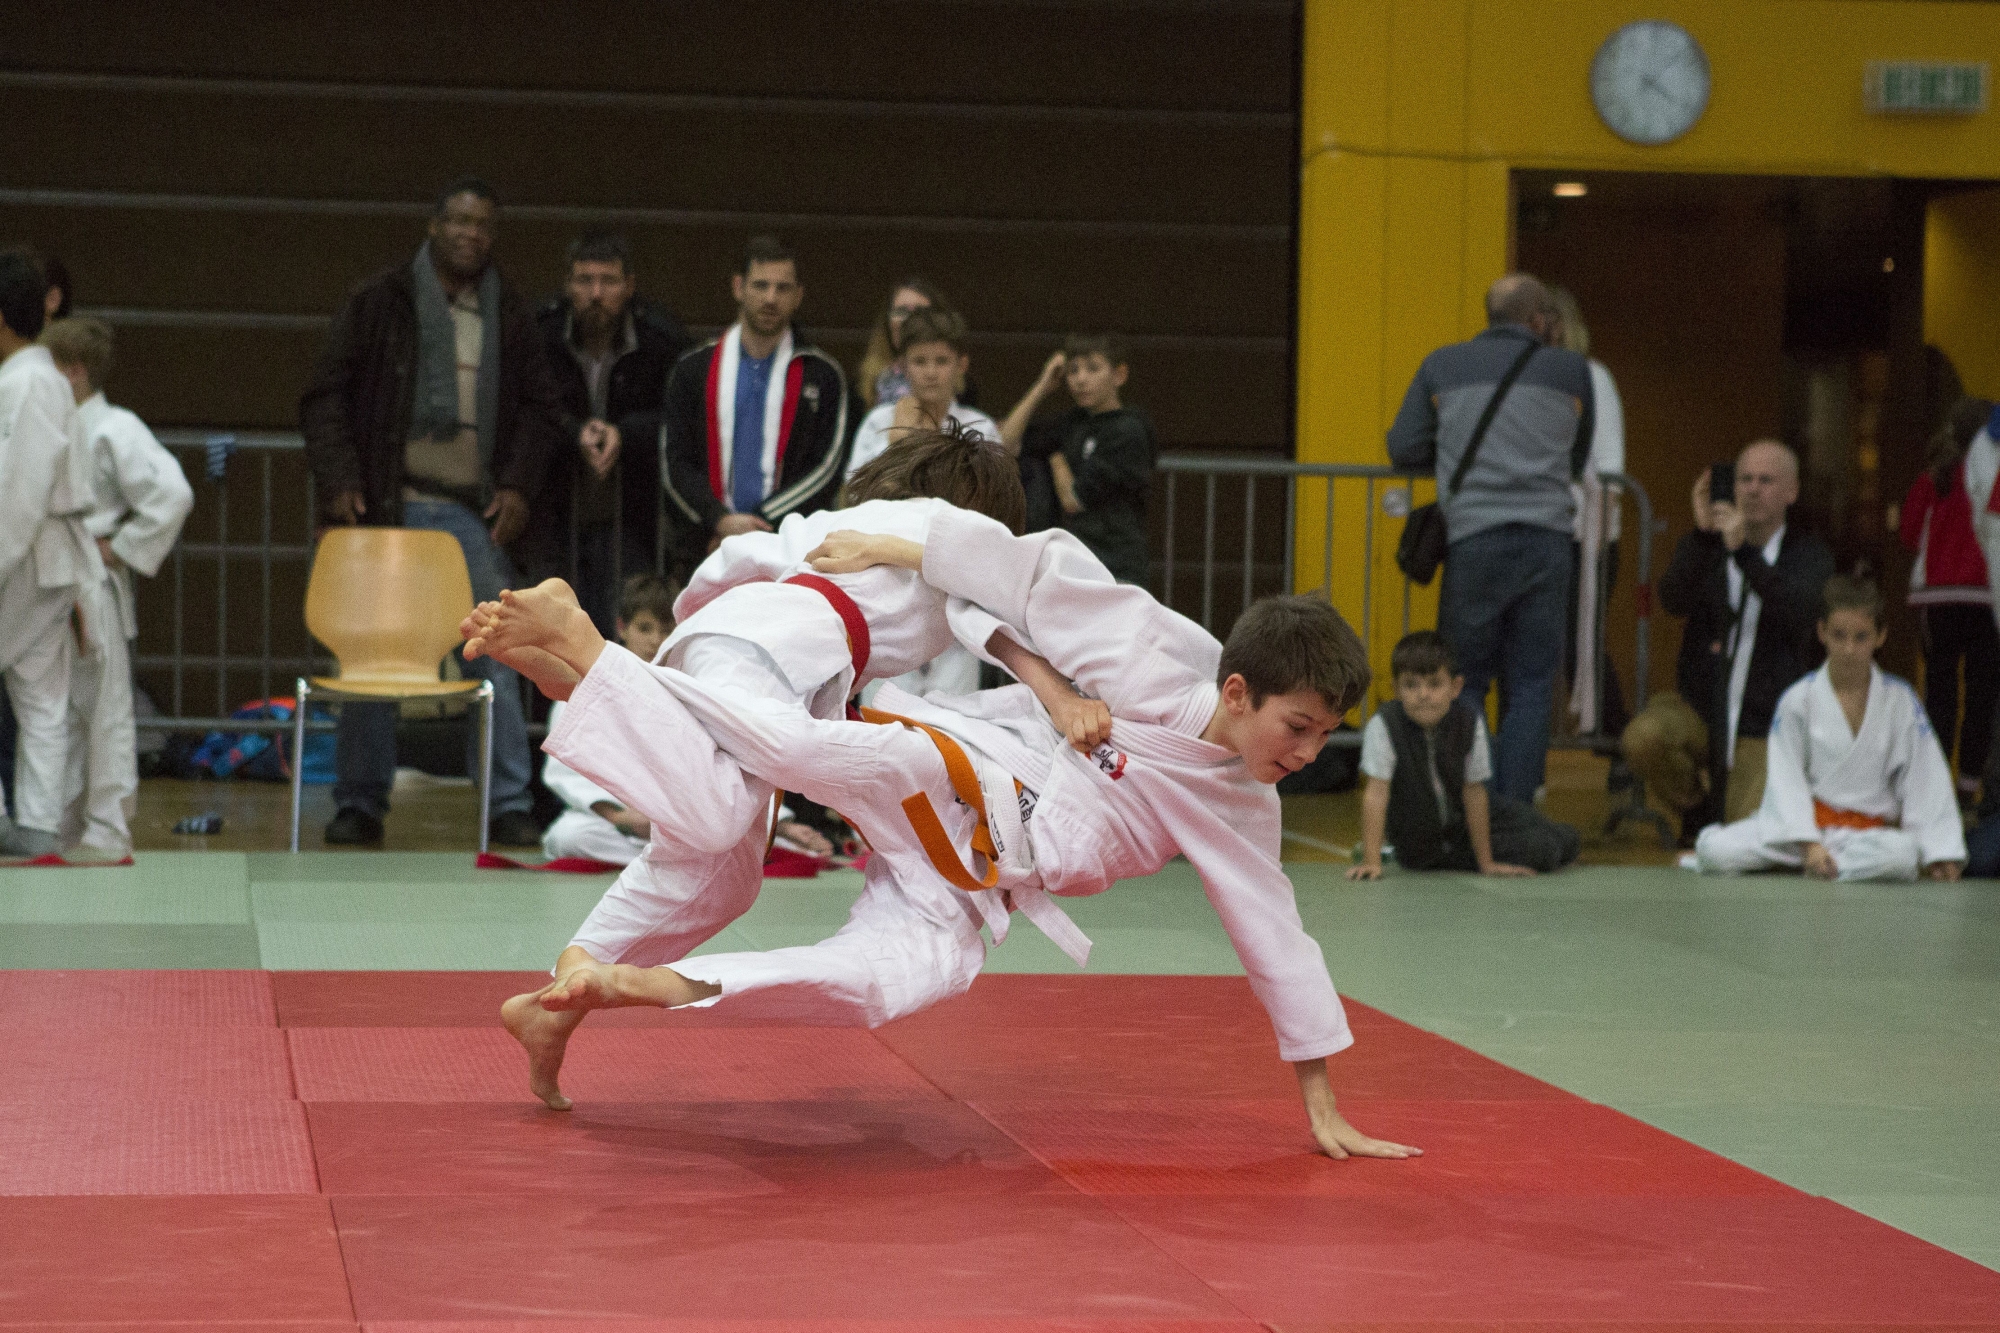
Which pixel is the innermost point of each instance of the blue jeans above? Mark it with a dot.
(365, 756)
(1503, 610)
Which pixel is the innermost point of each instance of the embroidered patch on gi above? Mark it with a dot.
(1110, 760)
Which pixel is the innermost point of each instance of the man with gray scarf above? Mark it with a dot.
(432, 407)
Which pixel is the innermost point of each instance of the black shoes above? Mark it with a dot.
(514, 828)
(354, 828)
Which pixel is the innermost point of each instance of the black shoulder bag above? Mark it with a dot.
(1422, 547)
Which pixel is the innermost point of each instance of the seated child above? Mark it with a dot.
(1426, 758)
(1202, 730)
(1855, 785)
(934, 360)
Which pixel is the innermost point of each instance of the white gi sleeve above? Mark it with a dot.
(33, 434)
(1378, 752)
(1787, 810)
(1113, 639)
(1926, 794)
(154, 489)
(748, 557)
(1253, 897)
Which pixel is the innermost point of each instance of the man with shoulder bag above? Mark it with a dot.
(1506, 423)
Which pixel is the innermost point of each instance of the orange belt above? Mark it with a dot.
(1832, 816)
(965, 782)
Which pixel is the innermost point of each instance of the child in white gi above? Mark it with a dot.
(1855, 786)
(47, 557)
(142, 498)
(1192, 774)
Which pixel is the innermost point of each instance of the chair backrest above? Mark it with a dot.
(388, 602)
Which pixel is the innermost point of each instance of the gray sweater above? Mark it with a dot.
(1535, 447)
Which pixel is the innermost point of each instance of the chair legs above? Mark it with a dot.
(485, 760)
(298, 754)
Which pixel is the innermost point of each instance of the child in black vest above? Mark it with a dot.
(1427, 762)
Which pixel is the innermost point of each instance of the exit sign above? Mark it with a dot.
(1914, 87)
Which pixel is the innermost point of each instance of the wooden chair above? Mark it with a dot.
(388, 602)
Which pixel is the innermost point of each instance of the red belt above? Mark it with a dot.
(850, 616)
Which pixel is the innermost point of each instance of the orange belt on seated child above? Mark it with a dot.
(964, 778)
(1832, 816)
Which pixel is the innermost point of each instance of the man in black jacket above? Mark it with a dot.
(755, 424)
(1749, 587)
(610, 351)
(432, 407)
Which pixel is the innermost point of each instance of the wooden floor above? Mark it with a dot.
(432, 814)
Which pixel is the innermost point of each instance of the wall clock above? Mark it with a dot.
(1650, 82)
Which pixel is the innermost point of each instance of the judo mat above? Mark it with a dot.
(315, 1151)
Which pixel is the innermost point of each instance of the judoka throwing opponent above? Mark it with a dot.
(976, 805)
(1855, 786)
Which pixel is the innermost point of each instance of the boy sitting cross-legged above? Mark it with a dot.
(1427, 763)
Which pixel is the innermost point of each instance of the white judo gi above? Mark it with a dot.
(767, 643)
(1880, 801)
(579, 830)
(47, 559)
(141, 500)
(1157, 790)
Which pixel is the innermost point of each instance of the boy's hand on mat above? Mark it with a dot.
(1819, 862)
(1944, 870)
(1506, 870)
(847, 552)
(1365, 871)
(1084, 723)
(1340, 1140)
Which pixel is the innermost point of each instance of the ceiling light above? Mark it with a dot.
(1571, 189)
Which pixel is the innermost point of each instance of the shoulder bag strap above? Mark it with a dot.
(1486, 417)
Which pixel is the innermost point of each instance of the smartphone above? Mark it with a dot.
(1722, 483)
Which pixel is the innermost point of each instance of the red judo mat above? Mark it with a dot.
(321, 1151)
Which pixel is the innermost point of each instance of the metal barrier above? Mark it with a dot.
(1284, 496)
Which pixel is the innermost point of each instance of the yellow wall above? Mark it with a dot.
(1414, 113)
(1962, 285)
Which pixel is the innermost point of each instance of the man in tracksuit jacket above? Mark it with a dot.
(1504, 605)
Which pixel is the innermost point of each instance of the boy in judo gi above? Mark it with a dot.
(47, 556)
(142, 498)
(1202, 733)
(1855, 787)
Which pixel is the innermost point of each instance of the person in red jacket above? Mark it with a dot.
(1948, 586)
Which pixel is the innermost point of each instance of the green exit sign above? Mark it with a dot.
(1915, 87)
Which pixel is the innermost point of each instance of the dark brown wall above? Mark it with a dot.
(218, 177)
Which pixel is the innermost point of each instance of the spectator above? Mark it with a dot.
(1856, 786)
(56, 301)
(1099, 453)
(432, 407)
(141, 499)
(755, 421)
(880, 377)
(1948, 586)
(934, 360)
(1744, 579)
(609, 350)
(47, 558)
(1511, 520)
(1427, 763)
(1607, 458)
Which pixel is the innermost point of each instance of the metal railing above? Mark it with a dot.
(1264, 538)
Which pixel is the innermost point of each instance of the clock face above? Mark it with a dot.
(1650, 82)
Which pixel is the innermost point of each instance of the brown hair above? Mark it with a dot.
(933, 324)
(1424, 653)
(1107, 345)
(955, 464)
(647, 592)
(1851, 592)
(81, 341)
(1288, 643)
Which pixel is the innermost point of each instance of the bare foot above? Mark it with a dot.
(619, 986)
(551, 675)
(545, 1037)
(546, 617)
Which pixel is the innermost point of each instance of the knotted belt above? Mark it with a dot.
(1011, 844)
(1832, 816)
